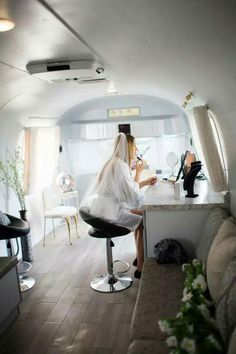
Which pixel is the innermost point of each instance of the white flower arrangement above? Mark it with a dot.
(196, 262)
(184, 267)
(193, 329)
(204, 311)
(12, 175)
(164, 326)
(186, 295)
(188, 345)
(200, 283)
(171, 341)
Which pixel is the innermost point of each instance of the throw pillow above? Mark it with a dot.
(4, 220)
(229, 276)
(210, 229)
(223, 249)
(226, 306)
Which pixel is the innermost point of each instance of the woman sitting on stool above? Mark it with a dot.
(115, 195)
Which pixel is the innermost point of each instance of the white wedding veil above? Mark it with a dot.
(120, 151)
(114, 192)
(105, 183)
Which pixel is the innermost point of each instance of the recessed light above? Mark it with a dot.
(6, 24)
(111, 88)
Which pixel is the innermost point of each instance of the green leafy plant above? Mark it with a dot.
(193, 330)
(12, 174)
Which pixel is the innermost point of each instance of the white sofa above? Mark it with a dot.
(161, 287)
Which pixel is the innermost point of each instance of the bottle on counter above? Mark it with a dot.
(177, 190)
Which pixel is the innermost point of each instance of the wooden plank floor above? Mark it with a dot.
(62, 314)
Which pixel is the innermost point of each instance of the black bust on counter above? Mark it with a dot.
(189, 179)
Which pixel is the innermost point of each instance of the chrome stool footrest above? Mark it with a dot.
(120, 266)
(23, 267)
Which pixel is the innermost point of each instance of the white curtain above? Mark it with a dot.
(41, 152)
(209, 149)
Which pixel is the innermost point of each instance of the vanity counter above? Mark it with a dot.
(161, 197)
(182, 218)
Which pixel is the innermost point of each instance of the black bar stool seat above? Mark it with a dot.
(101, 228)
(16, 228)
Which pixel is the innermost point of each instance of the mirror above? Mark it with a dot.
(172, 160)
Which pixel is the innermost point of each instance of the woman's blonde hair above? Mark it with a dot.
(131, 142)
(125, 153)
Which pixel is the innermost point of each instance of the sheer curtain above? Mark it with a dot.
(41, 157)
(209, 149)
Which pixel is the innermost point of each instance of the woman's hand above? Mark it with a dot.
(140, 164)
(151, 180)
(148, 182)
(139, 168)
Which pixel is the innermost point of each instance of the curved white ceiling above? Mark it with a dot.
(152, 47)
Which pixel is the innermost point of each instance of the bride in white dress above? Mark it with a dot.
(115, 195)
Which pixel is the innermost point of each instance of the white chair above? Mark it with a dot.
(54, 209)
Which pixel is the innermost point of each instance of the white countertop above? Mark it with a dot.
(161, 197)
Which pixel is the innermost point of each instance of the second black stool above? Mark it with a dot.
(17, 228)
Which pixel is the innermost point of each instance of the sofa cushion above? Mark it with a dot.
(226, 306)
(210, 229)
(222, 250)
(229, 276)
(232, 343)
(4, 220)
(159, 282)
(6, 264)
(147, 346)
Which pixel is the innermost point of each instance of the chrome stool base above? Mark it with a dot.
(26, 283)
(111, 283)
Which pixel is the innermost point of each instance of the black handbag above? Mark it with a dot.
(170, 251)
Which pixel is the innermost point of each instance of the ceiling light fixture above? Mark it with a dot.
(188, 98)
(111, 89)
(6, 24)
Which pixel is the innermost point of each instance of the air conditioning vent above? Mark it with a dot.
(81, 81)
(79, 70)
(93, 81)
(58, 67)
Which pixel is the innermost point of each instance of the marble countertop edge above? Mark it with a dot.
(183, 206)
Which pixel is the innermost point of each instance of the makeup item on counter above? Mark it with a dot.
(140, 155)
(140, 158)
(177, 191)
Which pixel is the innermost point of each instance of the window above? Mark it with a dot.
(218, 139)
(123, 112)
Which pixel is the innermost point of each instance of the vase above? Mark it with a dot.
(26, 243)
